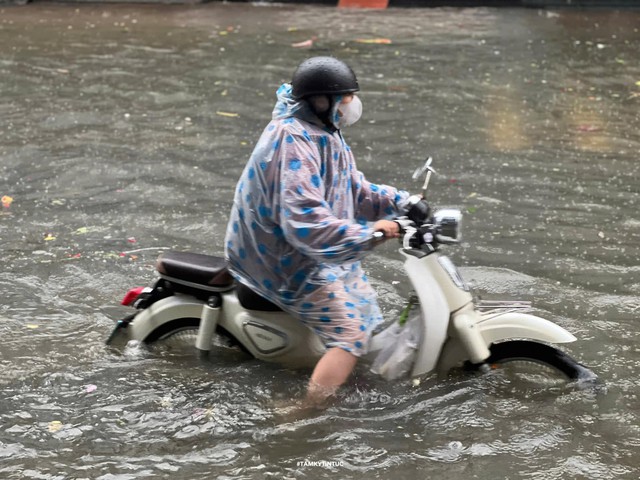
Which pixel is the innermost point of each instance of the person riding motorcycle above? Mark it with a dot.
(299, 225)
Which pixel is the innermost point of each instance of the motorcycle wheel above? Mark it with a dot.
(182, 332)
(524, 357)
(174, 327)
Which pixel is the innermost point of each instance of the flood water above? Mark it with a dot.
(122, 133)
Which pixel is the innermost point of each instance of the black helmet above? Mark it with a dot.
(323, 75)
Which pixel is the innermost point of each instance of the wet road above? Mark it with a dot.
(122, 133)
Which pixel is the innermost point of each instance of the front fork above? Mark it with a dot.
(465, 325)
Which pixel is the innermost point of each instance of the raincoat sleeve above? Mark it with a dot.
(307, 221)
(374, 202)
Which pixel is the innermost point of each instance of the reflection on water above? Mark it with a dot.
(123, 132)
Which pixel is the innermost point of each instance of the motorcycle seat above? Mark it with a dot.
(203, 272)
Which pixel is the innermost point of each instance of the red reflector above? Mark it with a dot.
(131, 296)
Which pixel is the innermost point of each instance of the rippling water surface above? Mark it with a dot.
(122, 133)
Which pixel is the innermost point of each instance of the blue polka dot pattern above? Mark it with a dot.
(295, 164)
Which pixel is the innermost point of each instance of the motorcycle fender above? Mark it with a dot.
(434, 314)
(161, 312)
(512, 325)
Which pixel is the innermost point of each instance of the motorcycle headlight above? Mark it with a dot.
(448, 223)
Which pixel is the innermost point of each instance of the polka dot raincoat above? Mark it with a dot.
(299, 225)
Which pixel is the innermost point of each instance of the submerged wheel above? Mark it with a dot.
(169, 329)
(524, 357)
(182, 333)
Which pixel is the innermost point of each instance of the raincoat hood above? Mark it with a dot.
(288, 106)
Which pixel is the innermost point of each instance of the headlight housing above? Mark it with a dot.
(448, 222)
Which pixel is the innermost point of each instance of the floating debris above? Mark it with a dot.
(589, 128)
(55, 426)
(227, 114)
(375, 41)
(305, 44)
(6, 201)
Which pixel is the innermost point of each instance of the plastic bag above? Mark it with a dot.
(401, 341)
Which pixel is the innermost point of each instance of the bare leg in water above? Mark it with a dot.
(331, 371)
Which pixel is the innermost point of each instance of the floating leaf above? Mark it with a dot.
(55, 426)
(82, 231)
(589, 128)
(305, 44)
(376, 41)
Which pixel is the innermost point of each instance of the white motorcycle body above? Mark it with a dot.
(452, 329)
(269, 336)
(196, 291)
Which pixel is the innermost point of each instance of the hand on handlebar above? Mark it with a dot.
(388, 228)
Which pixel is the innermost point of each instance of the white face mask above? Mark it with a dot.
(350, 112)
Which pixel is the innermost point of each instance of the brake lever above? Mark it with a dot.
(406, 238)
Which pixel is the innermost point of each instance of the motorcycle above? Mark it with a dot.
(441, 328)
